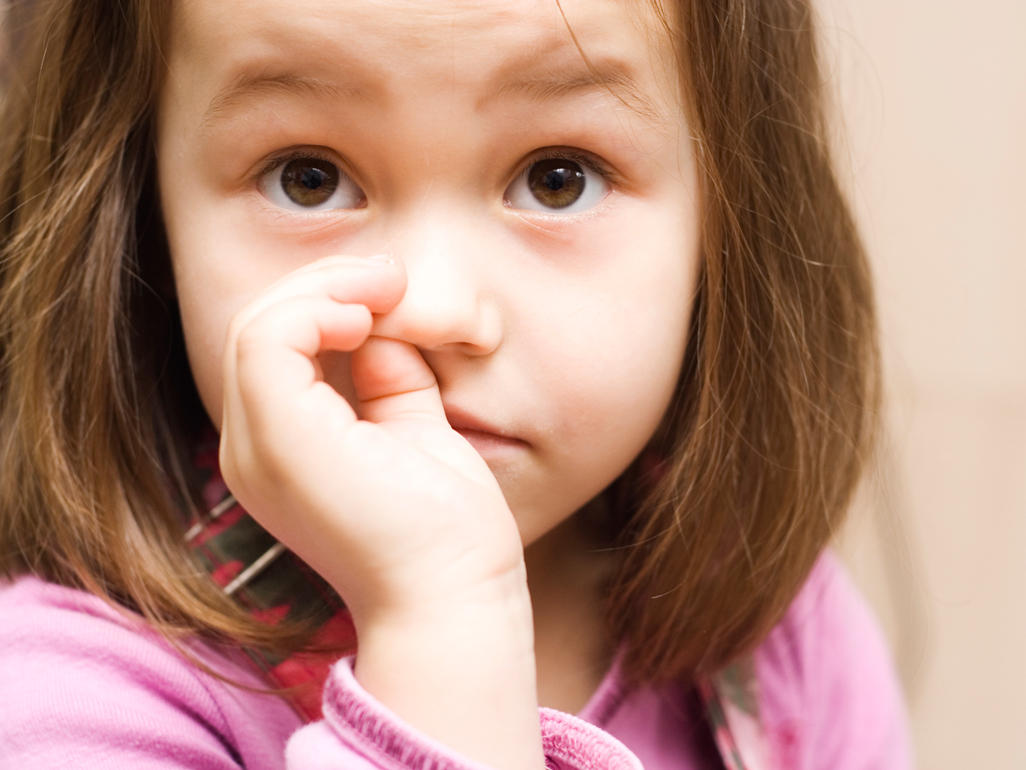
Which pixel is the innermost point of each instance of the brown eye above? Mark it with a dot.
(310, 181)
(310, 184)
(557, 185)
(556, 182)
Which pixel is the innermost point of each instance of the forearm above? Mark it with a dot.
(460, 669)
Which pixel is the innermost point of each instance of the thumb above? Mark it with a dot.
(393, 382)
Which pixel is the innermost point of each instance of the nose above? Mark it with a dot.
(449, 303)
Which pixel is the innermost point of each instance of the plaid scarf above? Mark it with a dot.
(275, 585)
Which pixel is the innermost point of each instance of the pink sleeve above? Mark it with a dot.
(828, 690)
(84, 686)
(358, 733)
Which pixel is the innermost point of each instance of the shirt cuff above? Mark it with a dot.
(367, 728)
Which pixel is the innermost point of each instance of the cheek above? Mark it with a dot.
(618, 359)
(205, 323)
(215, 277)
(619, 395)
(219, 267)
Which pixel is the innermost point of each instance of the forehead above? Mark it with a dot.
(418, 22)
(453, 42)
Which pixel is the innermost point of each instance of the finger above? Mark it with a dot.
(392, 382)
(376, 282)
(273, 363)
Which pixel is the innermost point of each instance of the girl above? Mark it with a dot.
(537, 332)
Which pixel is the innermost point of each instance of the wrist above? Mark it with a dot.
(444, 608)
(459, 666)
(434, 594)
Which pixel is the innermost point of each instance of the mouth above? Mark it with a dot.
(486, 438)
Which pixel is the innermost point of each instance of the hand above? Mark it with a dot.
(379, 496)
(389, 504)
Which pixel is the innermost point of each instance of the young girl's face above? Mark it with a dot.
(545, 212)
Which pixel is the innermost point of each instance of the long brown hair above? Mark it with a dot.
(759, 453)
(97, 408)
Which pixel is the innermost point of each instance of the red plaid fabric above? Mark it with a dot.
(273, 584)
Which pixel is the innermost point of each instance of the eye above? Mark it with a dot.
(561, 184)
(309, 183)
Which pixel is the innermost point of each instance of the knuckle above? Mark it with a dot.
(246, 338)
(239, 322)
(254, 335)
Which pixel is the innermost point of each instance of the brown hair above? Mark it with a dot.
(760, 450)
(97, 408)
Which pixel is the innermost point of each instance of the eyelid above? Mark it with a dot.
(281, 158)
(293, 153)
(298, 153)
(583, 157)
(591, 199)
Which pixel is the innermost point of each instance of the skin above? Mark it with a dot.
(550, 339)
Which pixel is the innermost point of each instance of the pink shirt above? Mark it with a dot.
(83, 686)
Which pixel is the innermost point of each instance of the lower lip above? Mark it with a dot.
(488, 444)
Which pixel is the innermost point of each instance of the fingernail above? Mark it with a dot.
(383, 258)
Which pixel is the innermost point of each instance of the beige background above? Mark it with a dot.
(933, 97)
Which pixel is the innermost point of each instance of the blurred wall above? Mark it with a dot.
(933, 140)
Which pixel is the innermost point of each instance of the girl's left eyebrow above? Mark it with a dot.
(546, 83)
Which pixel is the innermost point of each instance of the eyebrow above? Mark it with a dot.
(251, 85)
(610, 75)
(514, 79)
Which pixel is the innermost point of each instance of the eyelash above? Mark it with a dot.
(569, 153)
(548, 153)
(297, 154)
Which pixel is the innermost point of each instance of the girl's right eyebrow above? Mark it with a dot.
(252, 85)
